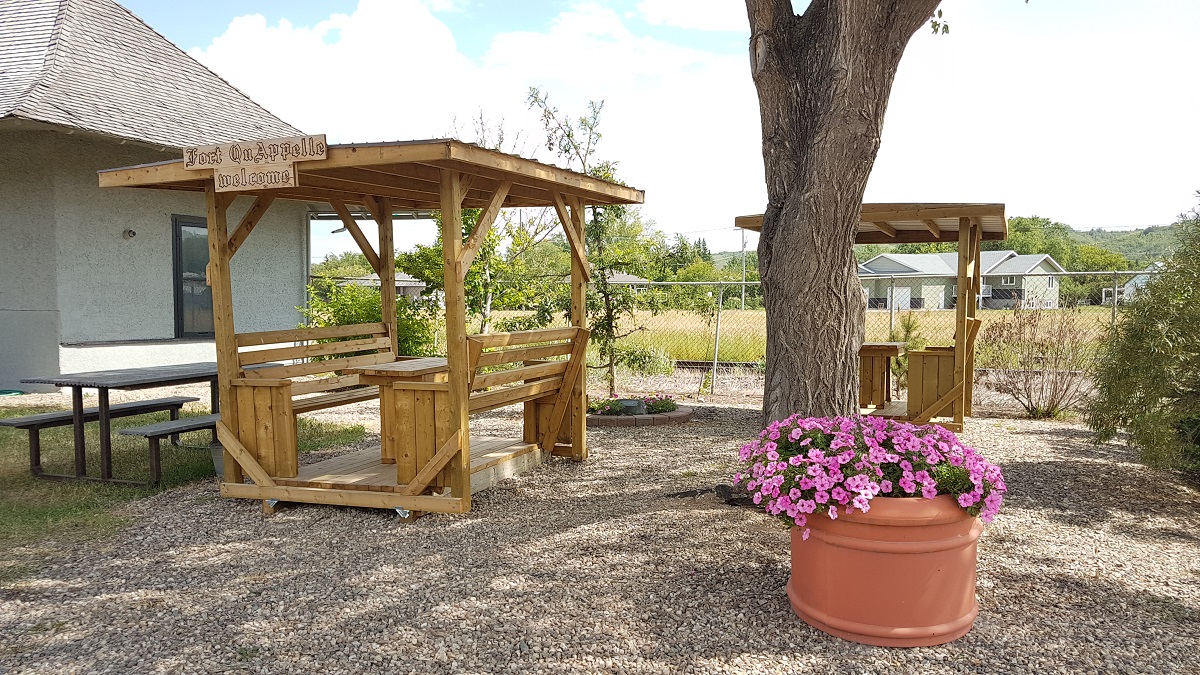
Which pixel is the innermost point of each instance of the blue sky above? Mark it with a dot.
(1078, 110)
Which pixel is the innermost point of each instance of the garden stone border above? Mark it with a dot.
(678, 416)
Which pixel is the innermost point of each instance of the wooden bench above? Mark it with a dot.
(268, 395)
(65, 418)
(544, 386)
(156, 432)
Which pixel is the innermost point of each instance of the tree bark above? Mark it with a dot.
(823, 81)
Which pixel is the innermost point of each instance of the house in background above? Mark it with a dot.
(1134, 286)
(91, 278)
(929, 280)
(407, 286)
(633, 281)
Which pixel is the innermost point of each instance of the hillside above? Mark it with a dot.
(1142, 246)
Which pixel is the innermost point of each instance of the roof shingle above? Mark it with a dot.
(93, 65)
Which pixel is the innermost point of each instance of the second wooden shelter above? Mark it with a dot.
(940, 378)
(267, 378)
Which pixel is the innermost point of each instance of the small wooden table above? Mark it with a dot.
(411, 409)
(875, 372)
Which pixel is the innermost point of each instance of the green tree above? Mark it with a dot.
(342, 265)
(1148, 375)
(617, 239)
(1034, 235)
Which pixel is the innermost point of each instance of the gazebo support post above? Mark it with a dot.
(458, 470)
(579, 278)
(962, 312)
(387, 269)
(972, 313)
(217, 204)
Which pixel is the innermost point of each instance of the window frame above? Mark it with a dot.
(1008, 280)
(178, 222)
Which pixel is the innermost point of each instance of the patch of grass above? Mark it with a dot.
(33, 509)
(313, 435)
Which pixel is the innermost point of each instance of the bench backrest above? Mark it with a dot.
(507, 368)
(324, 350)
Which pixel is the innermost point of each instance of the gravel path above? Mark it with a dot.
(1093, 566)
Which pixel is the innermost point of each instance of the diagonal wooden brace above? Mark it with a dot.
(439, 461)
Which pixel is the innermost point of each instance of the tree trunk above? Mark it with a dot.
(823, 82)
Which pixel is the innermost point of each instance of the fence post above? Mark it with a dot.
(1113, 321)
(712, 388)
(892, 308)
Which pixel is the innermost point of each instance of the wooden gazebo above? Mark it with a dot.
(940, 378)
(426, 462)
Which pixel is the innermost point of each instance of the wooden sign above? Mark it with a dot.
(255, 153)
(258, 177)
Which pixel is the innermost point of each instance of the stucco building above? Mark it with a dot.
(93, 278)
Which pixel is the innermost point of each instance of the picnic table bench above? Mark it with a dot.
(160, 430)
(64, 418)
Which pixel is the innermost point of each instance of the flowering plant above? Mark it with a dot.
(806, 465)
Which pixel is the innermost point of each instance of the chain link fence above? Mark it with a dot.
(709, 338)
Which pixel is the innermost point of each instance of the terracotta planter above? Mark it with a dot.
(901, 575)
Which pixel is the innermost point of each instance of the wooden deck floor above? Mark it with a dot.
(898, 410)
(363, 470)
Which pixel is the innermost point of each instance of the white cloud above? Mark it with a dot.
(1033, 105)
(717, 15)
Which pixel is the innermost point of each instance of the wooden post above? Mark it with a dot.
(973, 311)
(387, 271)
(222, 300)
(966, 273)
(579, 275)
(458, 469)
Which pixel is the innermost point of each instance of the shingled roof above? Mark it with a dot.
(93, 65)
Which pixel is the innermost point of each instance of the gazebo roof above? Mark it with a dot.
(407, 172)
(914, 223)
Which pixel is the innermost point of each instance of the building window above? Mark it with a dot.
(193, 297)
(1008, 281)
(1051, 282)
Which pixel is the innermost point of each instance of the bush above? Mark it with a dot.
(645, 360)
(910, 334)
(330, 304)
(1148, 373)
(1040, 357)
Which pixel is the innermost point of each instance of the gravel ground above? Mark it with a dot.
(1092, 566)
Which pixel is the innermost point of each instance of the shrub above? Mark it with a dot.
(330, 304)
(1148, 373)
(910, 334)
(1040, 357)
(645, 360)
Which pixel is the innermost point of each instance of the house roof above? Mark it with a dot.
(1022, 264)
(623, 278)
(372, 279)
(914, 223)
(946, 264)
(93, 65)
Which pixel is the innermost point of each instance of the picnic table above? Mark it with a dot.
(125, 379)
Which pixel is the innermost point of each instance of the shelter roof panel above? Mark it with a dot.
(409, 172)
(914, 223)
